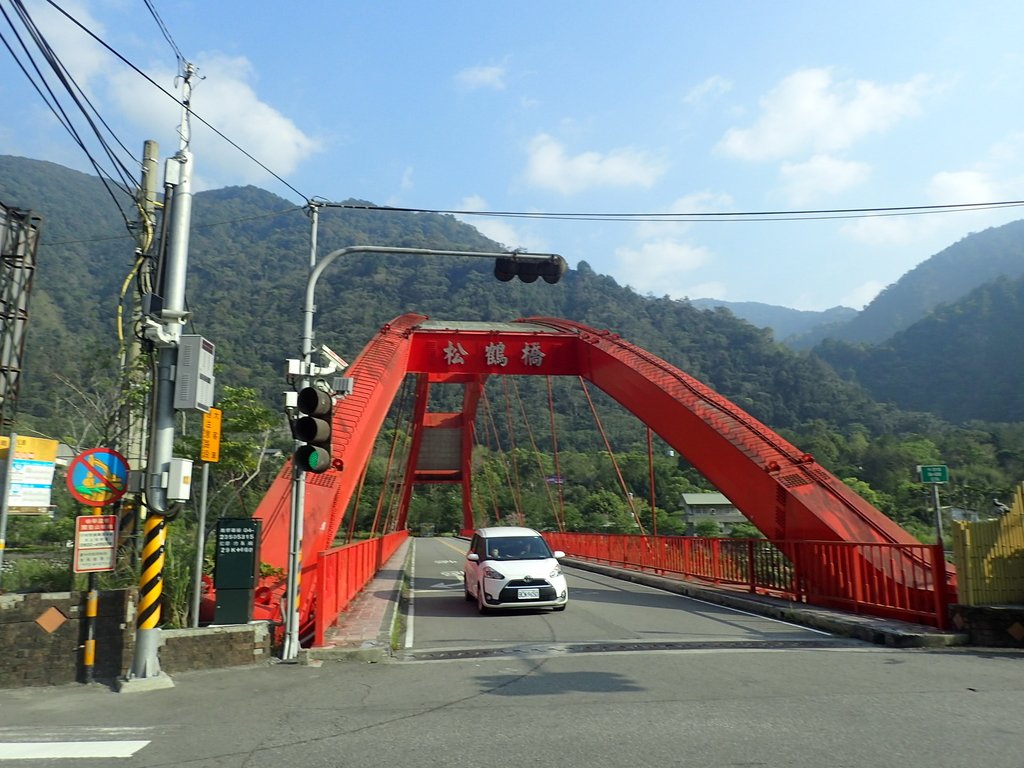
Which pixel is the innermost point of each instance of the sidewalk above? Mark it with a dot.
(363, 632)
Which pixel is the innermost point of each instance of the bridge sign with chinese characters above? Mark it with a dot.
(520, 349)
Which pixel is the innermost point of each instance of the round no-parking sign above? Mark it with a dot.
(98, 477)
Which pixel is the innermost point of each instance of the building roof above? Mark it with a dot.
(705, 499)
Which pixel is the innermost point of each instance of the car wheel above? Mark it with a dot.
(481, 606)
(465, 590)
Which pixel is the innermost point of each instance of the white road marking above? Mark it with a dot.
(55, 750)
(412, 598)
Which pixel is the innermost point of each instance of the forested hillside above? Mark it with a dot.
(248, 263)
(247, 269)
(962, 362)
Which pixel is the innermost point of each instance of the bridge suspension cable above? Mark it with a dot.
(536, 452)
(611, 455)
(559, 480)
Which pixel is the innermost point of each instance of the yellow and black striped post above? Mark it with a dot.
(146, 662)
(92, 602)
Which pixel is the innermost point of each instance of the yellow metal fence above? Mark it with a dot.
(990, 558)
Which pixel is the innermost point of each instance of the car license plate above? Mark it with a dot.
(529, 594)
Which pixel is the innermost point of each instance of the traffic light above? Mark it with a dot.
(314, 429)
(529, 268)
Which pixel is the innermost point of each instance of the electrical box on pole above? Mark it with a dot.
(194, 381)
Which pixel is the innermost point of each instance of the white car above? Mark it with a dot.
(509, 567)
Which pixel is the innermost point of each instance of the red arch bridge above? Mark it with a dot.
(825, 544)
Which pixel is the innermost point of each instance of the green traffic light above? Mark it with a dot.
(311, 458)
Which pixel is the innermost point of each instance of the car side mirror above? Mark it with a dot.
(557, 554)
(474, 557)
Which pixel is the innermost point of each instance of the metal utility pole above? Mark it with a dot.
(292, 644)
(163, 329)
(19, 239)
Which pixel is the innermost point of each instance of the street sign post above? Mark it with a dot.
(98, 477)
(933, 473)
(95, 543)
(210, 450)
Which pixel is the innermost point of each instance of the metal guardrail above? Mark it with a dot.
(343, 571)
(906, 582)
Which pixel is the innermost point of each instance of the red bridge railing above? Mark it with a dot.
(906, 582)
(343, 571)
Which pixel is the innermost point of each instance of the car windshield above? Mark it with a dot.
(518, 548)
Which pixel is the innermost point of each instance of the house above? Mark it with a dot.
(710, 506)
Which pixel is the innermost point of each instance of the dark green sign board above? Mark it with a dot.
(933, 473)
(236, 569)
(236, 564)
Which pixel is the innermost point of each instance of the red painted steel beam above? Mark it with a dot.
(780, 489)
(377, 376)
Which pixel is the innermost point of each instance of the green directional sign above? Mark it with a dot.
(933, 473)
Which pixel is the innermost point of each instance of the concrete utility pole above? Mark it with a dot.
(135, 423)
(163, 329)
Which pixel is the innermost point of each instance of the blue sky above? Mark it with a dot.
(587, 107)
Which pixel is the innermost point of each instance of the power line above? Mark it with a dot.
(41, 85)
(711, 216)
(176, 100)
(165, 32)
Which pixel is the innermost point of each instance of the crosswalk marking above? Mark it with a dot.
(42, 750)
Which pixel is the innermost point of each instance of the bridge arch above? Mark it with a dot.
(781, 490)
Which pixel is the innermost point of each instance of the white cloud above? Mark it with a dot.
(474, 78)
(879, 231)
(955, 187)
(225, 99)
(944, 188)
(716, 85)
(821, 175)
(709, 290)
(862, 295)
(810, 112)
(497, 229)
(698, 202)
(550, 167)
(660, 267)
(407, 183)
(81, 55)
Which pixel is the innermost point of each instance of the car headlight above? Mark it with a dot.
(490, 573)
(556, 571)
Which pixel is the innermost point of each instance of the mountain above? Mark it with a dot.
(783, 321)
(963, 361)
(249, 253)
(246, 275)
(949, 275)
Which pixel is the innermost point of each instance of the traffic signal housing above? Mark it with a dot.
(529, 268)
(314, 429)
